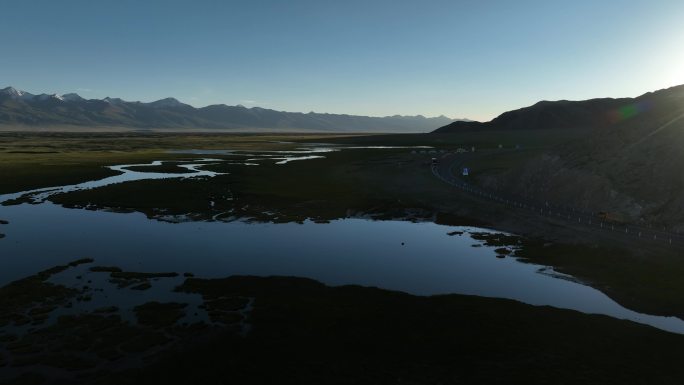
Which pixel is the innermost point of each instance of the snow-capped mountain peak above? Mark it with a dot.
(72, 97)
(113, 100)
(166, 103)
(44, 97)
(11, 91)
(16, 94)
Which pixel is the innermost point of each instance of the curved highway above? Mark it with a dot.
(448, 169)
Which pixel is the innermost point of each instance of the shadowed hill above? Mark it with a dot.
(626, 158)
(594, 113)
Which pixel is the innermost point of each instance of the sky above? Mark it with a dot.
(463, 59)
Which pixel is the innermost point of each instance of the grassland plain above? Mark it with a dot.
(380, 182)
(33, 160)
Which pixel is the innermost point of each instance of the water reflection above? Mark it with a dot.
(39, 195)
(419, 258)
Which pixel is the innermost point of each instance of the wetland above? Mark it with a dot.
(149, 252)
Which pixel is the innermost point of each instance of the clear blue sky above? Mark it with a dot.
(471, 59)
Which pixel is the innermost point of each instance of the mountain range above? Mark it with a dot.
(20, 109)
(585, 114)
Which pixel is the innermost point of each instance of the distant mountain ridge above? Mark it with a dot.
(20, 108)
(592, 113)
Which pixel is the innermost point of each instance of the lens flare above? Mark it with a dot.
(628, 111)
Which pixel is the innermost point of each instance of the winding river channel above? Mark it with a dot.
(420, 258)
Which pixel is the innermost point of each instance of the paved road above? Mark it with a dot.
(449, 169)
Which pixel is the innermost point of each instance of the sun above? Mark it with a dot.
(673, 67)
